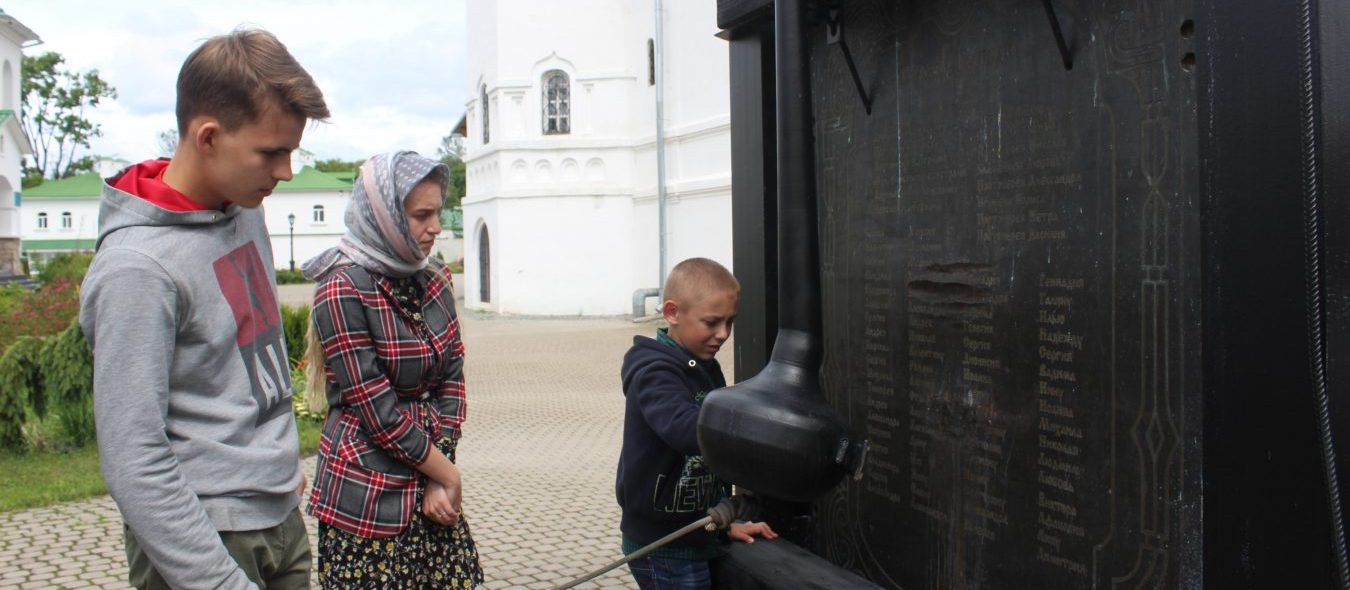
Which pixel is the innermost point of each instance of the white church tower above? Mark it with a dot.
(560, 215)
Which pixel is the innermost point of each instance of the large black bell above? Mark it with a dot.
(774, 433)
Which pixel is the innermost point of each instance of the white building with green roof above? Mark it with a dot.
(60, 216)
(304, 216)
(14, 36)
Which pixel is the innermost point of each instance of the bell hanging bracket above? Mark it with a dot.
(834, 35)
(1059, 35)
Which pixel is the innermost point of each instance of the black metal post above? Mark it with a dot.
(799, 267)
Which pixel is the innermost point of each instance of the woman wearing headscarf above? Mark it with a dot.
(386, 359)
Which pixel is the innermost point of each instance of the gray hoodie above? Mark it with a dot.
(192, 393)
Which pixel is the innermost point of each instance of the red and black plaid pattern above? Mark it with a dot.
(395, 386)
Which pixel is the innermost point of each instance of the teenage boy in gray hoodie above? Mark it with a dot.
(192, 394)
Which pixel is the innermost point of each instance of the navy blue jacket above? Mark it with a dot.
(662, 482)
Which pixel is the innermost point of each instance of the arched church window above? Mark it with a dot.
(318, 214)
(483, 102)
(42, 221)
(67, 221)
(557, 103)
(7, 92)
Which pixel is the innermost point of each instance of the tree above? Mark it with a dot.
(168, 142)
(451, 148)
(338, 165)
(54, 108)
(451, 152)
(455, 190)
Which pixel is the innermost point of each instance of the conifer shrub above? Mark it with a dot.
(68, 375)
(22, 394)
(294, 322)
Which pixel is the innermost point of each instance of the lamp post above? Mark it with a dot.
(290, 218)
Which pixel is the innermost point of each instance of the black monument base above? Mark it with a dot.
(774, 565)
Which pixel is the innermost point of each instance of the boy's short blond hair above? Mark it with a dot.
(695, 278)
(234, 77)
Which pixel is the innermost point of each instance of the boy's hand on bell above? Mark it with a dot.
(746, 532)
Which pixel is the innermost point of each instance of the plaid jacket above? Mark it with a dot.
(395, 387)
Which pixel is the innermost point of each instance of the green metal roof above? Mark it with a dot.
(83, 185)
(311, 179)
(89, 185)
(58, 245)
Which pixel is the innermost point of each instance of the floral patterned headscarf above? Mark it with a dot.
(378, 237)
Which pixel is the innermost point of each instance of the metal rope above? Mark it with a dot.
(1312, 243)
(689, 528)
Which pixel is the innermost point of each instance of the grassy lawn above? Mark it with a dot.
(43, 478)
(309, 438)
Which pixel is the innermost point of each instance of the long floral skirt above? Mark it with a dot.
(424, 556)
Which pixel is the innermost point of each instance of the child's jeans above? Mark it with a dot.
(664, 573)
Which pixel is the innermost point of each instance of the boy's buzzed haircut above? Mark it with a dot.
(694, 278)
(235, 76)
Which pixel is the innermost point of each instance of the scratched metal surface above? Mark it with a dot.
(1009, 254)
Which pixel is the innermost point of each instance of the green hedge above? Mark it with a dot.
(290, 277)
(67, 266)
(46, 385)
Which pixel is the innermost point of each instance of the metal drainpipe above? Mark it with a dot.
(658, 52)
(640, 296)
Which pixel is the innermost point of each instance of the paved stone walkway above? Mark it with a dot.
(538, 458)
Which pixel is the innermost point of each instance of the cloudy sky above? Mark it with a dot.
(393, 73)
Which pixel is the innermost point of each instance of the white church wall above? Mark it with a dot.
(552, 256)
(697, 65)
(573, 262)
(698, 224)
(572, 217)
(698, 149)
(479, 59)
(577, 37)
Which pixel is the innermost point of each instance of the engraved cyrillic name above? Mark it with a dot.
(884, 415)
(1059, 431)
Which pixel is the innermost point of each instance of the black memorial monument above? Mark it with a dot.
(1084, 286)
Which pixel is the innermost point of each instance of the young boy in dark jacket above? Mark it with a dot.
(662, 482)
